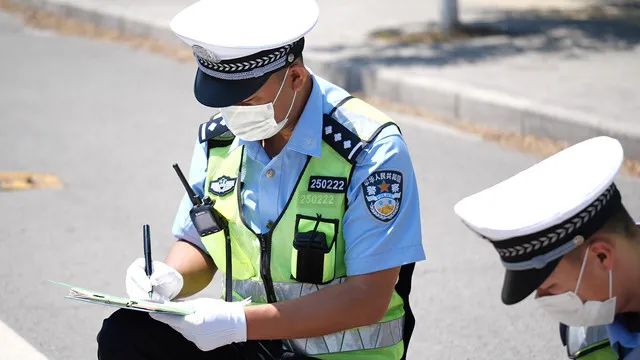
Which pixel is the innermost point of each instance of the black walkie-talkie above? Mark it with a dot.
(207, 220)
(204, 217)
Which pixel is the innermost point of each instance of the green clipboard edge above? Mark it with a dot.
(95, 297)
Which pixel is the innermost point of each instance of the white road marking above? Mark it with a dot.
(14, 347)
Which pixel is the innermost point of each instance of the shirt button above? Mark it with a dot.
(270, 173)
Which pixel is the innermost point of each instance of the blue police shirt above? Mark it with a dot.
(622, 340)
(372, 243)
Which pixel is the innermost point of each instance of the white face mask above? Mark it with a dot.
(570, 310)
(256, 122)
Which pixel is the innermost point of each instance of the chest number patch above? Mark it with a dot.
(383, 193)
(327, 184)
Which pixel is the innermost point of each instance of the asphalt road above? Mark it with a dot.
(110, 121)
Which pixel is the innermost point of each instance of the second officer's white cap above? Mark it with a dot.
(539, 215)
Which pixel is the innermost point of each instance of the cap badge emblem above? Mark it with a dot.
(205, 54)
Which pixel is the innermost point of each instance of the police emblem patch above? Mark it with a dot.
(383, 194)
(205, 54)
(222, 185)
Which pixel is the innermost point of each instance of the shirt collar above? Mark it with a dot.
(237, 142)
(307, 135)
(619, 334)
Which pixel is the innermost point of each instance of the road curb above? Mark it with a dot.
(462, 102)
(452, 100)
(103, 17)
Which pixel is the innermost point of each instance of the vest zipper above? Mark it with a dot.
(264, 239)
(265, 266)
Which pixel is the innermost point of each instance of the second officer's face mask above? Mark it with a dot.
(570, 310)
(256, 122)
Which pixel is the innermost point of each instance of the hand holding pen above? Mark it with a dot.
(152, 280)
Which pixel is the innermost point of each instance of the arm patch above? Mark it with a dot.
(382, 192)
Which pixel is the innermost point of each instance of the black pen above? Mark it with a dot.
(148, 264)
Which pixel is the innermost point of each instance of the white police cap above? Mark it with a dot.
(545, 211)
(238, 44)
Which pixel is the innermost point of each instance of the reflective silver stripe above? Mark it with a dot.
(580, 338)
(284, 291)
(363, 338)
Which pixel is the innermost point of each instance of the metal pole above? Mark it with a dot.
(448, 15)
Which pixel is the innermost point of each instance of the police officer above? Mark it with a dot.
(562, 231)
(317, 197)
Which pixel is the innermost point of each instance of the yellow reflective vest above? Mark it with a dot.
(303, 251)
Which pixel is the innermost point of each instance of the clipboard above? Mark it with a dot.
(95, 297)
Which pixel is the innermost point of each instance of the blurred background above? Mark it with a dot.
(96, 104)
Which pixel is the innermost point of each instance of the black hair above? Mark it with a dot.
(621, 223)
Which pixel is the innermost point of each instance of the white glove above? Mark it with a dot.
(165, 281)
(214, 322)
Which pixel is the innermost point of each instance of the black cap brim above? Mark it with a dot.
(518, 285)
(214, 92)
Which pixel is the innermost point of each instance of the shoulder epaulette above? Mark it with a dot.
(342, 140)
(351, 125)
(215, 131)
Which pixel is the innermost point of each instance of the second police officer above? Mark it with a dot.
(562, 231)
